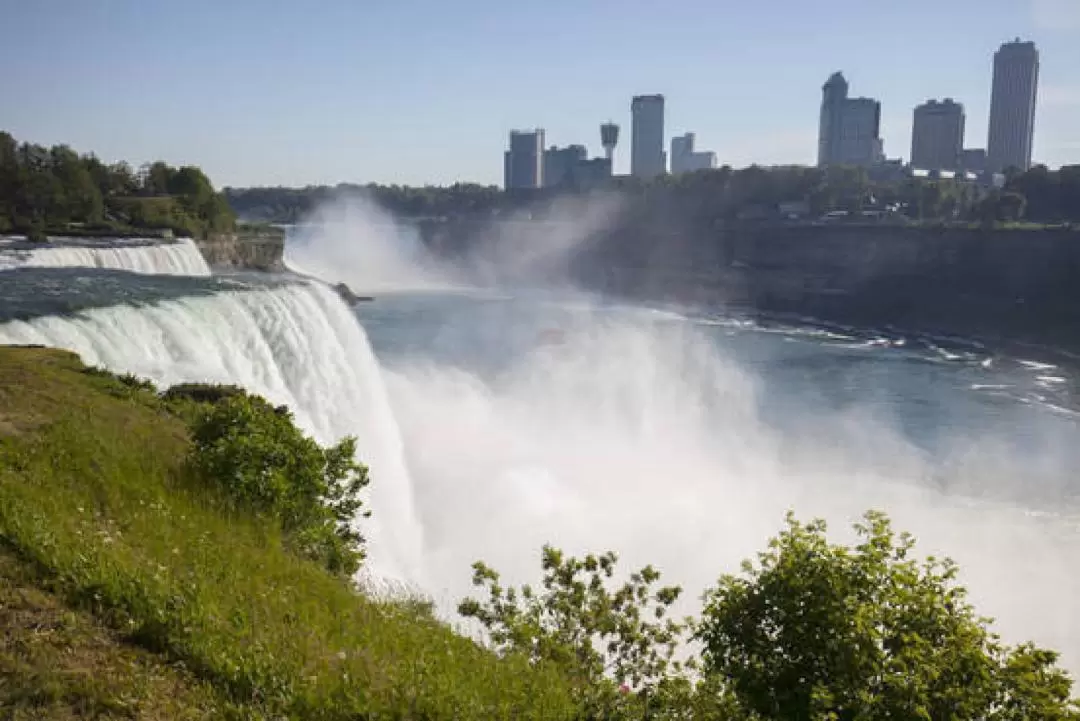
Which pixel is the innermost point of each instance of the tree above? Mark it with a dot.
(1069, 189)
(255, 454)
(1002, 206)
(9, 178)
(1040, 188)
(81, 197)
(815, 630)
(599, 637)
(158, 177)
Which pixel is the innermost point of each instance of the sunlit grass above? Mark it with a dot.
(94, 496)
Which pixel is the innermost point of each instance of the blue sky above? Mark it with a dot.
(415, 91)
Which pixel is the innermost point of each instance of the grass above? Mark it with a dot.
(97, 506)
(58, 664)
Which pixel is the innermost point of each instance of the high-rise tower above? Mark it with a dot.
(849, 128)
(1012, 107)
(647, 156)
(937, 135)
(523, 163)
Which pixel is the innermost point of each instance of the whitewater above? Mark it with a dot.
(296, 345)
(673, 440)
(180, 257)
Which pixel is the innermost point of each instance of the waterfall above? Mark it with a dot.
(297, 345)
(181, 257)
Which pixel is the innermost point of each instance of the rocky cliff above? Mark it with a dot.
(248, 247)
(1017, 285)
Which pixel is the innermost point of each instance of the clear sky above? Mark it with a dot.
(264, 92)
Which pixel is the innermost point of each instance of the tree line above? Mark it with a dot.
(292, 205)
(1038, 195)
(57, 190)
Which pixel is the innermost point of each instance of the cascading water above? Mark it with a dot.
(298, 345)
(180, 257)
(669, 441)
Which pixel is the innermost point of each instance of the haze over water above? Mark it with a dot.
(498, 420)
(682, 443)
(681, 440)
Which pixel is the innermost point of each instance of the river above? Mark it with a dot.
(497, 421)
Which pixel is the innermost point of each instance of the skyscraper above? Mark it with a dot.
(685, 159)
(849, 128)
(833, 99)
(523, 163)
(1012, 106)
(647, 158)
(937, 135)
(560, 164)
(682, 147)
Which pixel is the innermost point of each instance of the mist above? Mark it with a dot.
(644, 437)
(534, 248)
(352, 240)
(646, 433)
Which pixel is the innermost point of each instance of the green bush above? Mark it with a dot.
(817, 630)
(616, 645)
(200, 392)
(260, 460)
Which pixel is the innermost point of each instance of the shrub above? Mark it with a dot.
(201, 392)
(126, 385)
(263, 463)
(822, 631)
(615, 645)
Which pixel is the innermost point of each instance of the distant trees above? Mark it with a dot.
(1049, 196)
(810, 631)
(290, 205)
(1002, 207)
(52, 189)
(708, 197)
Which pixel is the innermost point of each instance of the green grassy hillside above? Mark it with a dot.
(160, 602)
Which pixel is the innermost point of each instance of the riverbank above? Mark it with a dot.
(1008, 284)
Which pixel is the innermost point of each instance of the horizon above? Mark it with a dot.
(417, 93)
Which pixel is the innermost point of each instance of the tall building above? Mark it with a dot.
(570, 167)
(1012, 106)
(560, 164)
(973, 160)
(684, 159)
(591, 173)
(682, 147)
(833, 100)
(849, 129)
(647, 159)
(523, 163)
(937, 135)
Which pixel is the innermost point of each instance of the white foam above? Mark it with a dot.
(181, 257)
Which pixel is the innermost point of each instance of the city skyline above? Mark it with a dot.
(849, 133)
(420, 93)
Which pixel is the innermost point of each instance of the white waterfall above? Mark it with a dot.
(297, 345)
(181, 257)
